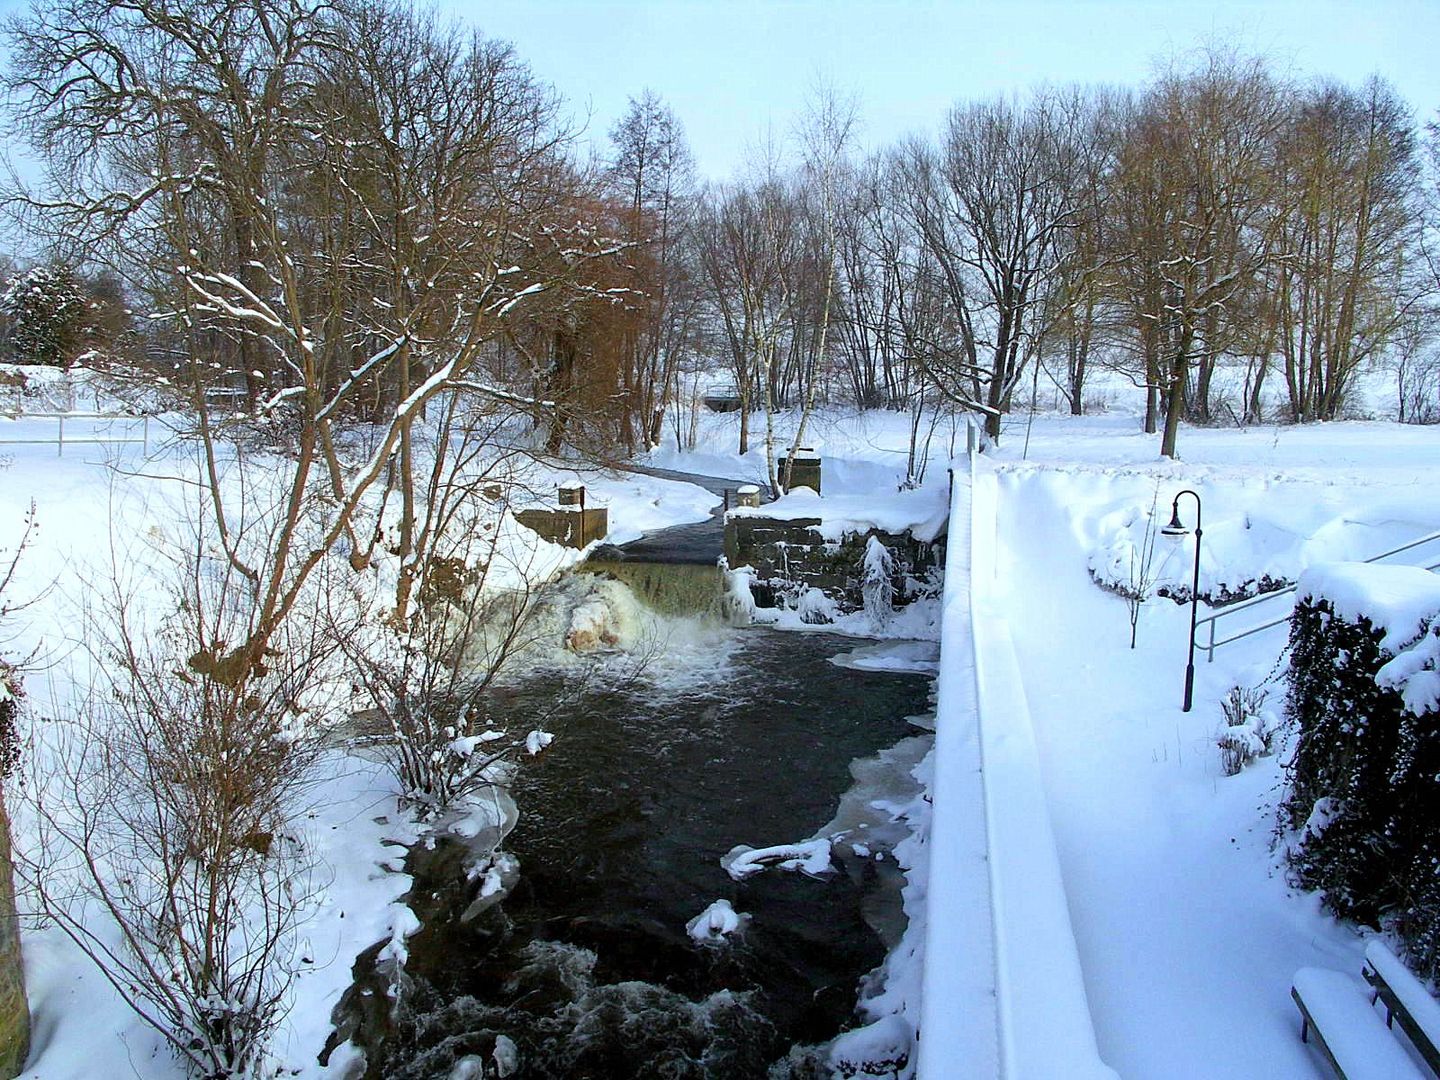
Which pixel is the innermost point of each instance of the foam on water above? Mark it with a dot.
(585, 621)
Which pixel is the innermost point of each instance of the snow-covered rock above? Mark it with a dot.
(811, 857)
(716, 923)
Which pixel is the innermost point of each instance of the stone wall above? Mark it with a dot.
(789, 556)
(568, 527)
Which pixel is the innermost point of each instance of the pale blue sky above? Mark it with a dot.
(734, 70)
(730, 70)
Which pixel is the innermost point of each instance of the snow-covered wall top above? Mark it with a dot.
(922, 512)
(1401, 601)
(1042, 1022)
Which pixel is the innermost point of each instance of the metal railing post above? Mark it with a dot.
(60, 438)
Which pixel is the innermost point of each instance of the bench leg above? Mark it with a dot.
(1304, 1029)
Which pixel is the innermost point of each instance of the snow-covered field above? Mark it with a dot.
(1187, 932)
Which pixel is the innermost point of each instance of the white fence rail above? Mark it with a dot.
(90, 423)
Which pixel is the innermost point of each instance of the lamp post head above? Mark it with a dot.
(1175, 528)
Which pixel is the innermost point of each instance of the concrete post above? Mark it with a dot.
(805, 472)
(747, 495)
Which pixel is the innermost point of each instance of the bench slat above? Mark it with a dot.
(1347, 1029)
(1406, 999)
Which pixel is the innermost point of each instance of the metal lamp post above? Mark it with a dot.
(1175, 528)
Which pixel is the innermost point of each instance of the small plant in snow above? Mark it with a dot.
(1143, 571)
(1248, 732)
(12, 683)
(877, 582)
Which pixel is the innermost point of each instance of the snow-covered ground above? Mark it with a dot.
(107, 497)
(1188, 933)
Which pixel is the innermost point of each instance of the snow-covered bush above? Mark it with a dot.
(12, 697)
(1364, 788)
(876, 582)
(47, 308)
(1248, 732)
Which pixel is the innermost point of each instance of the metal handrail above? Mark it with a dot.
(1212, 643)
(61, 441)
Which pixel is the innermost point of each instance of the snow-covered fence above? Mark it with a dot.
(98, 428)
(996, 910)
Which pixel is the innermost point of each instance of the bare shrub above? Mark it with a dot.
(1140, 584)
(162, 840)
(1247, 733)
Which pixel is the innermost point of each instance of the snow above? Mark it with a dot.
(113, 498)
(1185, 934)
(1358, 1039)
(716, 924)
(1400, 600)
(1186, 930)
(809, 857)
(1038, 1023)
(1411, 992)
(921, 511)
(1415, 673)
(916, 656)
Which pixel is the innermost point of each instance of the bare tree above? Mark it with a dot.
(201, 137)
(1348, 238)
(1201, 163)
(826, 133)
(653, 173)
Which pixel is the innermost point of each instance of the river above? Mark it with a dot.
(743, 736)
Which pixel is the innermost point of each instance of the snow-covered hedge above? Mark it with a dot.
(1364, 795)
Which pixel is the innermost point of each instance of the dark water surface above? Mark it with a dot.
(586, 967)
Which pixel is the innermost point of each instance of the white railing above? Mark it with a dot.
(92, 438)
(1210, 622)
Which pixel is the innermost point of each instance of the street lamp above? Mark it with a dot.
(1175, 528)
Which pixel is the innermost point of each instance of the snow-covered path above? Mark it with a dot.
(1188, 935)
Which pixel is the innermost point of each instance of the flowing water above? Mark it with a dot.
(585, 969)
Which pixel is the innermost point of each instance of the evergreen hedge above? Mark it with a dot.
(1364, 784)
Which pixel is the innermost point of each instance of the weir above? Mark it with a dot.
(674, 589)
(674, 571)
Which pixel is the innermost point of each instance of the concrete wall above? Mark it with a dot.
(571, 528)
(790, 555)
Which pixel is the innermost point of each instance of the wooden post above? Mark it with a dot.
(14, 1011)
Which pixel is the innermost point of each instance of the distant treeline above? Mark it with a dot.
(292, 195)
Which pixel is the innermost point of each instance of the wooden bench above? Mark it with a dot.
(1339, 1013)
(1405, 999)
